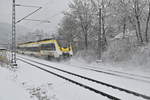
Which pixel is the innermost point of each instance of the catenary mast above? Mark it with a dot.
(13, 47)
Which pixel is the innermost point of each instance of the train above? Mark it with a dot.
(49, 48)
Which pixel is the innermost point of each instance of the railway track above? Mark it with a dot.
(136, 77)
(125, 73)
(145, 79)
(72, 81)
(135, 94)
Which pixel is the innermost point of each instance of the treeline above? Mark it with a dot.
(80, 25)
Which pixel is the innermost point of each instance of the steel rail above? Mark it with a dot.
(114, 74)
(93, 80)
(118, 75)
(72, 81)
(141, 76)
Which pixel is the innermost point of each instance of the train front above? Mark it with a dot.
(65, 48)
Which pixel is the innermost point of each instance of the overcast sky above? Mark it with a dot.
(52, 10)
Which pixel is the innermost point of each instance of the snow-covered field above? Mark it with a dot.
(30, 83)
(9, 88)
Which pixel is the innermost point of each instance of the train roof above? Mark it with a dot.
(36, 41)
(40, 40)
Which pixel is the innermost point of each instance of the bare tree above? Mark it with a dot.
(81, 9)
(68, 28)
(147, 22)
(105, 4)
(138, 6)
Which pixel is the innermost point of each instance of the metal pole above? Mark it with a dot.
(13, 59)
(99, 37)
(13, 45)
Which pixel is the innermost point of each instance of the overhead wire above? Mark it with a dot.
(45, 7)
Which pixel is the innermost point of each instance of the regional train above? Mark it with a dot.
(50, 48)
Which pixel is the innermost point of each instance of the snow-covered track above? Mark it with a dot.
(126, 75)
(72, 81)
(145, 79)
(90, 79)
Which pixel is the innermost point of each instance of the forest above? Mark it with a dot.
(111, 30)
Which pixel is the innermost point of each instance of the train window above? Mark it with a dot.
(63, 43)
(36, 49)
(50, 46)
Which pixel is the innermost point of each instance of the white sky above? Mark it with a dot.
(52, 10)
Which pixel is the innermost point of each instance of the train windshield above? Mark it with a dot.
(63, 44)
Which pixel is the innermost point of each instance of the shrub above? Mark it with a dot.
(119, 50)
(4, 60)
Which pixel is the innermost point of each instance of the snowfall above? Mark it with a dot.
(29, 83)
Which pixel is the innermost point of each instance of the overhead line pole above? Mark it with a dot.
(13, 45)
(13, 51)
(99, 37)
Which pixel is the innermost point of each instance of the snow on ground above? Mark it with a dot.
(9, 89)
(59, 89)
(30, 83)
(140, 87)
(124, 67)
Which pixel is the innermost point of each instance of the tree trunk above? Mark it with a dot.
(147, 24)
(84, 29)
(104, 40)
(137, 34)
(137, 11)
(134, 26)
(99, 37)
(86, 40)
(139, 29)
(103, 29)
(124, 28)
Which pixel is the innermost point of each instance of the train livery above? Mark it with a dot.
(50, 48)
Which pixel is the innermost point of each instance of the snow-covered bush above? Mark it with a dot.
(86, 55)
(128, 52)
(3, 60)
(120, 50)
(142, 56)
